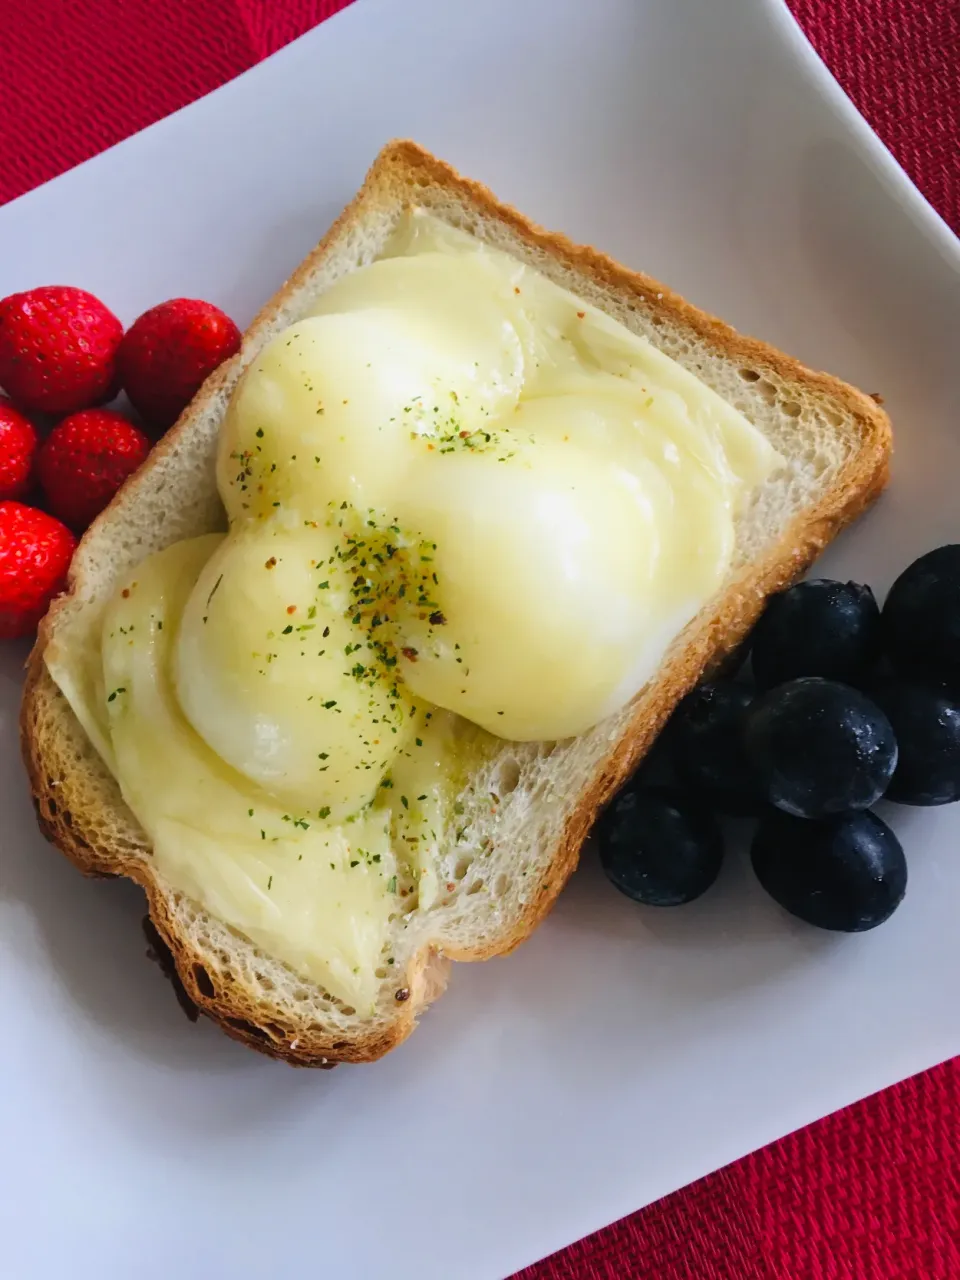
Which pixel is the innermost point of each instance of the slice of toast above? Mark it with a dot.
(836, 442)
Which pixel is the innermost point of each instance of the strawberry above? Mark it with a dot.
(35, 553)
(84, 461)
(167, 353)
(58, 348)
(18, 446)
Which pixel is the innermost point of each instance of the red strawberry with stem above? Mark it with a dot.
(18, 447)
(84, 461)
(167, 354)
(35, 554)
(58, 348)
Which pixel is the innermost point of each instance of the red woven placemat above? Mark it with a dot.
(872, 1193)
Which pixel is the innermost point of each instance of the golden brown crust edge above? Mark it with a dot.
(859, 483)
(262, 1028)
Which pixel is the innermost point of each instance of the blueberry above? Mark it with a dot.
(817, 628)
(659, 848)
(707, 737)
(927, 725)
(820, 748)
(847, 873)
(921, 617)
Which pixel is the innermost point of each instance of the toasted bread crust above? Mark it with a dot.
(52, 768)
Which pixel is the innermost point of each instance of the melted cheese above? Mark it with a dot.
(460, 500)
(316, 891)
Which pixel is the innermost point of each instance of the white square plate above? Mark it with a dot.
(621, 1053)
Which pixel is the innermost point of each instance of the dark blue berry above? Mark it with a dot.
(926, 722)
(921, 617)
(846, 873)
(659, 848)
(707, 738)
(820, 748)
(817, 628)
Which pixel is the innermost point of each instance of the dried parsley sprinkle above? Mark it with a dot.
(297, 822)
(324, 813)
(120, 689)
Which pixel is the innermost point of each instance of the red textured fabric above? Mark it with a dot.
(899, 60)
(872, 1193)
(79, 75)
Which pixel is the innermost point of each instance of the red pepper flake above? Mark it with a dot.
(291, 608)
(450, 886)
(581, 314)
(437, 619)
(402, 995)
(125, 593)
(516, 289)
(271, 563)
(409, 654)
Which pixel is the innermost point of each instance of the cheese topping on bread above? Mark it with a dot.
(463, 505)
